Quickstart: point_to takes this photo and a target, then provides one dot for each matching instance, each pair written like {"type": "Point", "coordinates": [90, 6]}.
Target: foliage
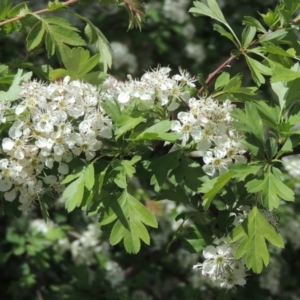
{"type": "Point", "coordinates": [107, 146]}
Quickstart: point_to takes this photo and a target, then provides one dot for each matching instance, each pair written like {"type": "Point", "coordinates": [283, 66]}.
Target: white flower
{"type": "Point", "coordinates": [185, 78]}
{"type": "Point", "coordinates": [215, 161]}
{"type": "Point", "coordinates": [188, 127]}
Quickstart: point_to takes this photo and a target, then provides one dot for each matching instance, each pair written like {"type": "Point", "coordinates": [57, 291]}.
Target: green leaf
{"type": "Point", "coordinates": [189, 173]}
{"type": "Point", "coordinates": [73, 193]}
{"type": "Point", "coordinates": [284, 74]}
{"type": "Point", "coordinates": [212, 10]}
{"type": "Point", "coordinates": [112, 109]}
{"type": "Point", "coordinates": [218, 184]}
{"type": "Point", "coordinates": [291, 5]}
{"type": "Point", "coordinates": [274, 49]}
{"type": "Point", "coordinates": [96, 37]}
{"type": "Point", "coordinates": [270, 114]}
{"type": "Point", "coordinates": [126, 123]}
{"type": "Point", "coordinates": [35, 35]}
{"type": "Point", "coordinates": [250, 21]}
{"type": "Point", "coordinates": [234, 84]}
{"type": "Point", "coordinates": [271, 188]}
{"type": "Point", "coordinates": [196, 238]}
{"type": "Point", "coordinates": [59, 33]}
{"type": "Point", "coordinates": [52, 6]}
{"type": "Point", "coordinates": [77, 62]}
{"type": "Point", "coordinates": [253, 232]}
{"type": "Point", "coordinates": [5, 6]}
{"type": "Point", "coordinates": [95, 78]}
{"type": "Point", "coordinates": [257, 68]}
{"type": "Point", "coordinates": [241, 171]}
{"type": "Point", "coordinates": [136, 215]}
{"type": "Point", "coordinates": [222, 80]}
{"type": "Point", "coordinates": [160, 168]}
{"type": "Point", "coordinates": [286, 88]}
{"type": "Point", "coordinates": [16, 9]}
{"type": "Point", "coordinates": [271, 147]}
{"type": "Point", "coordinates": [225, 33]}
{"type": "Point", "coordinates": [247, 35]}
{"type": "Point", "coordinates": [158, 131]}
{"type": "Point", "coordinates": [276, 35]}
{"type": "Point", "coordinates": [249, 120]}
{"type": "Point", "coordinates": [89, 178]}
{"type": "Point", "coordinates": [14, 89]}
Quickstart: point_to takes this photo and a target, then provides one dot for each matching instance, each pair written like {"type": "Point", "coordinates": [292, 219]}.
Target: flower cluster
{"type": "Point", "coordinates": [155, 87]}
{"type": "Point", "coordinates": [53, 124]}
{"type": "Point", "coordinates": [219, 265]}
{"type": "Point", "coordinates": [208, 125]}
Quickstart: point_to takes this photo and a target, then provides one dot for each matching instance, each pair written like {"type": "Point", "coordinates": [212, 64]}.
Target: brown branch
{"type": "Point", "coordinates": [212, 75]}
{"type": "Point", "coordinates": [17, 18]}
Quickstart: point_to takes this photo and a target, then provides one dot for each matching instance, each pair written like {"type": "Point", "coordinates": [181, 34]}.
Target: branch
{"type": "Point", "coordinates": [212, 75]}
{"type": "Point", "coordinates": [17, 18]}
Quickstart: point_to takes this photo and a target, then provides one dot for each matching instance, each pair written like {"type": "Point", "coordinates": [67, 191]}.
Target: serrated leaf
{"type": "Point", "coordinates": [96, 37]}
{"type": "Point", "coordinates": [219, 183]}
{"type": "Point", "coordinates": [222, 80]}
{"type": "Point", "coordinates": [77, 62]}
{"type": "Point", "coordinates": [253, 232]}
{"type": "Point", "coordinates": [284, 74]}
{"type": "Point", "coordinates": [212, 10]}
{"type": "Point", "coordinates": [126, 123]}
{"type": "Point", "coordinates": [35, 35]}
{"type": "Point", "coordinates": [257, 69]}
{"type": "Point", "coordinates": [73, 193]}
{"type": "Point", "coordinates": [160, 168]}
{"type": "Point", "coordinates": [250, 21]}
{"type": "Point", "coordinates": [52, 6]}
{"type": "Point", "coordinates": [112, 109]}
{"type": "Point", "coordinates": [16, 9]}
{"type": "Point", "coordinates": [189, 173]}
{"type": "Point", "coordinates": [271, 189]}
{"type": "Point", "coordinates": [233, 84]}
{"type": "Point", "coordinates": [5, 6]}
{"type": "Point", "coordinates": [270, 114]}
{"type": "Point", "coordinates": [241, 171]}
{"type": "Point", "coordinates": [136, 215]}
{"type": "Point", "coordinates": [59, 32]}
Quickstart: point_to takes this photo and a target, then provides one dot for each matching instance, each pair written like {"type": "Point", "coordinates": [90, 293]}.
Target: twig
{"type": "Point", "coordinates": [218, 70]}
{"type": "Point", "coordinates": [17, 18]}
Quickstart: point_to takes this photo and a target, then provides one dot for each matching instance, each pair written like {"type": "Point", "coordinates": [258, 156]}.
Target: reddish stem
{"type": "Point", "coordinates": [214, 73]}
{"type": "Point", "coordinates": [17, 18]}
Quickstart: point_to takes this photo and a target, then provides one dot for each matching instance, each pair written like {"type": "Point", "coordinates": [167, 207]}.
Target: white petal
{"type": "Point", "coordinates": [63, 168]}
{"type": "Point", "coordinates": [51, 179]}
{"type": "Point", "coordinates": [5, 185]}
{"type": "Point", "coordinates": [19, 109]}
{"type": "Point", "coordinates": [7, 144]}
{"type": "Point", "coordinates": [11, 195]}
{"type": "Point", "coordinates": [209, 252]}
{"type": "Point", "coordinates": [123, 97]}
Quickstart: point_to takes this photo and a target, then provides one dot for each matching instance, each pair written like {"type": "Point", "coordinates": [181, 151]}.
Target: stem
{"type": "Point", "coordinates": [228, 61]}
{"type": "Point", "coordinates": [218, 70]}
{"type": "Point", "coordinates": [17, 18]}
